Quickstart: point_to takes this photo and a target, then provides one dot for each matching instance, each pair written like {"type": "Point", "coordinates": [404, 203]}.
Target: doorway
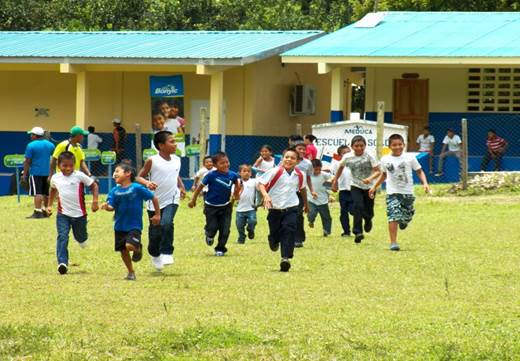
{"type": "Point", "coordinates": [410, 107]}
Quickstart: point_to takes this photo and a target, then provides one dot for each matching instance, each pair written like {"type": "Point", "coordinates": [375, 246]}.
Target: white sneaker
{"type": "Point", "coordinates": [83, 244]}
{"type": "Point", "coordinates": [167, 259]}
{"type": "Point", "coordinates": [157, 263]}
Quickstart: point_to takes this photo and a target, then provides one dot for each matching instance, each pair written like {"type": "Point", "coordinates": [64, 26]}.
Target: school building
{"type": "Point", "coordinates": [430, 69]}
{"type": "Point", "coordinates": [58, 79]}
{"type": "Point", "coordinates": [260, 86]}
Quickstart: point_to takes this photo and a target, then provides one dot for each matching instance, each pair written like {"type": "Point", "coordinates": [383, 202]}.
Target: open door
{"type": "Point", "coordinates": [410, 107]}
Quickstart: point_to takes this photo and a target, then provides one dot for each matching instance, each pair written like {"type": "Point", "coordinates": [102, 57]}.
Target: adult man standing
{"type": "Point", "coordinates": [73, 145]}
{"type": "Point", "coordinates": [36, 169]}
{"type": "Point", "coordinates": [119, 136]}
{"type": "Point", "coordinates": [453, 142]}
{"type": "Point", "coordinates": [496, 147]}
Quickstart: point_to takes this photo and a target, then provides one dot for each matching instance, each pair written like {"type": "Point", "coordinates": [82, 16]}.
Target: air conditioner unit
{"type": "Point", "coordinates": [303, 100]}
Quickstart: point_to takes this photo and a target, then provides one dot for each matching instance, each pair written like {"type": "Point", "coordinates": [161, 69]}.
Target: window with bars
{"type": "Point", "coordinates": [493, 90]}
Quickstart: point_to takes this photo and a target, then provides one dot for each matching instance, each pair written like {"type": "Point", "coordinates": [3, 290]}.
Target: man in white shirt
{"type": "Point", "coordinates": [426, 143]}
{"type": "Point", "coordinates": [454, 144]}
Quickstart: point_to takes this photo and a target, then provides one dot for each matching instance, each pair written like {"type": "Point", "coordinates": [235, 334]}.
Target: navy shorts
{"type": "Point", "coordinates": [122, 238]}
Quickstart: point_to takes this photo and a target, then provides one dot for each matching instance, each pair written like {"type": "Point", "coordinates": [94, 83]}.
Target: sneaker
{"type": "Point", "coordinates": [403, 225]}
{"type": "Point", "coordinates": [209, 240]}
{"type": "Point", "coordinates": [62, 268]}
{"type": "Point", "coordinates": [359, 238]}
{"type": "Point", "coordinates": [241, 241]}
{"type": "Point", "coordinates": [368, 225]}
{"type": "Point", "coordinates": [326, 234]}
{"type": "Point", "coordinates": [167, 259]}
{"type": "Point", "coordinates": [219, 253]}
{"type": "Point", "coordinates": [83, 244]}
{"type": "Point", "coordinates": [130, 277]}
{"type": "Point", "coordinates": [250, 234]}
{"type": "Point", "coordinates": [395, 247]}
{"type": "Point", "coordinates": [137, 254]}
{"type": "Point", "coordinates": [298, 244]}
{"type": "Point", "coordinates": [311, 225]}
{"type": "Point", "coordinates": [157, 263]}
{"type": "Point", "coordinates": [439, 174]}
{"type": "Point", "coordinates": [36, 215]}
{"type": "Point", "coordinates": [274, 246]}
{"type": "Point", "coordinates": [285, 265]}
{"type": "Point", "coordinates": [345, 234]}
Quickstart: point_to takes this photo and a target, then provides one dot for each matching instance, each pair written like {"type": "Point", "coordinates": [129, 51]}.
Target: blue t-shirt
{"type": "Point", "coordinates": [219, 187]}
{"type": "Point", "coordinates": [128, 205]}
{"type": "Point", "coordinates": [39, 151]}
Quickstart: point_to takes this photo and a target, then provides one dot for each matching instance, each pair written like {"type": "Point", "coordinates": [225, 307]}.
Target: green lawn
{"type": "Point", "coordinates": [451, 293]}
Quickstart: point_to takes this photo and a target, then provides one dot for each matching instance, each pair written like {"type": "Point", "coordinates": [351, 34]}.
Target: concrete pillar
{"type": "Point", "coordinates": [216, 100]}
{"type": "Point", "coordinates": [82, 99]}
{"type": "Point", "coordinates": [337, 95]}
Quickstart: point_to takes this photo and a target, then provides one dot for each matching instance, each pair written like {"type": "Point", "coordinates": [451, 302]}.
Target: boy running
{"type": "Point", "coordinates": [279, 188]}
{"type": "Point", "coordinates": [127, 201]}
{"type": "Point", "coordinates": [163, 171]}
{"type": "Point", "coordinates": [246, 208]}
{"type": "Point", "coordinates": [397, 171]}
{"type": "Point", "coordinates": [218, 207]}
{"type": "Point", "coordinates": [320, 204]}
{"type": "Point", "coordinates": [68, 185]}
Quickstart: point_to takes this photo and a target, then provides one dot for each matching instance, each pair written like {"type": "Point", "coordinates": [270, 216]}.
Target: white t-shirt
{"type": "Point", "coordinates": [173, 125]}
{"type": "Point", "coordinates": [399, 173]}
{"type": "Point", "coordinates": [247, 196]}
{"type": "Point", "coordinates": [283, 192]}
{"type": "Point", "coordinates": [201, 173]}
{"type": "Point", "coordinates": [305, 166]}
{"type": "Point", "coordinates": [425, 143]}
{"type": "Point", "coordinates": [71, 193]}
{"type": "Point", "coordinates": [361, 167]}
{"type": "Point", "coordinates": [345, 181]}
{"type": "Point", "coordinates": [318, 183]}
{"type": "Point", "coordinates": [93, 141]}
{"type": "Point", "coordinates": [264, 166]}
{"type": "Point", "coordinates": [453, 143]}
{"type": "Point", "coordinates": [165, 174]}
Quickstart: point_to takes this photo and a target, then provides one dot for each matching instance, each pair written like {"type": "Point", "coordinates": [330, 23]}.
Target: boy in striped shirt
{"type": "Point", "coordinates": [496, 147]}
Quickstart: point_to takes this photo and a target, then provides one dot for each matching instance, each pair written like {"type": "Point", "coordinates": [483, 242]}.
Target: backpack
{"type": "Point", "coordinates": [272, 182]}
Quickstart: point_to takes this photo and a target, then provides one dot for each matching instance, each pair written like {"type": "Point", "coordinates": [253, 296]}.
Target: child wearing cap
{"type": "Point", "coordinates": [73, 145]}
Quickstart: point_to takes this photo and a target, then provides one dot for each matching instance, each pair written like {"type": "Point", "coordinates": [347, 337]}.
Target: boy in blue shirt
{"type": "Point", "coordinates": [218, 207]}
{"type": "Point", "coordinates": [127, 201]}
{"type": "Point", "coordinates": [36, 170]}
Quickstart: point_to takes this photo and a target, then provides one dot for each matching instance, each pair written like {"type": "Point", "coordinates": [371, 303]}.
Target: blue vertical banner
{"type": "Point", "coordinates": [167, 97]}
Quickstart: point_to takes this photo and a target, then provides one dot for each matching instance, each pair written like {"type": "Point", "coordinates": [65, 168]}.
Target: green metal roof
{"type": "Point", "coordinates": [423, 34]}
{"type": "Point", "coordinates": [168, 47]}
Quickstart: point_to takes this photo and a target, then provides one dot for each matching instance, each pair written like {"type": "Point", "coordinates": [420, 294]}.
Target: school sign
{"type": "Point", "coordinates": [332, 135]}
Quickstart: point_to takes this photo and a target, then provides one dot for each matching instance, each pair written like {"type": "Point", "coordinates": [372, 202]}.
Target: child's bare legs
{"type": "Point", "coordinates": [392, 230]}
{"type": "Point", "coordinates": [127, 260]}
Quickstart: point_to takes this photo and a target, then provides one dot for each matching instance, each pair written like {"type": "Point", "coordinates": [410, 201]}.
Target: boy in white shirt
{"type": "Point", "coordinates": [426, 143]}
{"type": "Point", "coordinates": [163, 169]}
{"type": "Point", "coordinates": [344, 187]}
{"type": "Point", "coordinates": [279, 187]}
{"type": "Point", "coordinates": [453, 142]}
{"type": "Point", "coordinates": [201, 173]}
{"type": "Point", "coordinates": [320, 204]}
{"type": "Point", "coordinates": [396, 169]}
{"type": "Point", "coordinates": [69, 185]}
{"type": "Point", "coordinates": [246, 208]}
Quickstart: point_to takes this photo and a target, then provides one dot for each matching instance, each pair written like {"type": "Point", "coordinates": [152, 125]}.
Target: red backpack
{"type": "Point", "coordinates": [279, 173]}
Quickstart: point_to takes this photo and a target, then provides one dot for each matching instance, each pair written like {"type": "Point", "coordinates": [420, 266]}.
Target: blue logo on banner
{"type": "Point", "coordinates": [166, 86]}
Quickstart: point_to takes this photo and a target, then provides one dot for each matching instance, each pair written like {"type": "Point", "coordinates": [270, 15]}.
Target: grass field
{"type": "Point", "coordinates": [452, 293]}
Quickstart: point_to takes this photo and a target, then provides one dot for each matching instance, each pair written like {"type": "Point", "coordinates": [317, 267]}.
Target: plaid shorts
{"type": "Point", "coordinates": [399, 208]}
